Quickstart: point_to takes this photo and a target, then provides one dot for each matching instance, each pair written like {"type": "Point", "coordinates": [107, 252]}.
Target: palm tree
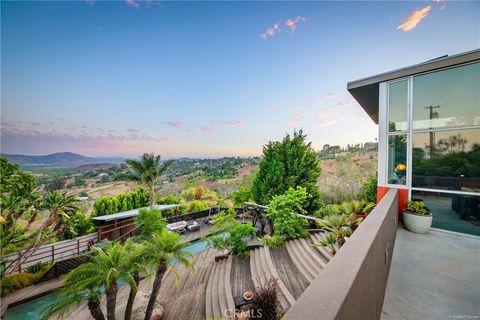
{"type": "Point", "coordinates": [165, 248]}
{"type": "Point", "coordinates": [105, 267]}
{"type": "Point", "coordinates": [136, 264]}
{"type": "Point", "coordinates": [60, 207]}
{"type": "Point", "coordinates": [336, 223]}
{"type": "Point", "coordinates": [71, 296]}
{"type": "Point", "coordinates": [148, 169]}
{"type": "Point", "coordinates": [328, 240]}
{"type": "Point", "coordinates": [356, 206]}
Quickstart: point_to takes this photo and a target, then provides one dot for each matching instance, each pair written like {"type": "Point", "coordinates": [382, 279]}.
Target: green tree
{"type": "Point", "coordinates": [148, 169]}
{"type": "Point", "coordinates": [289, 163]}
{"type": "Point", "coordinates": [239, 197]}
{"type": "Point", "coordinates": [165, 248]}
{"type": "Point", "coordinates": [149, 221]}
{"type": "Point", "coordinates": [368, 191]}
{"type": "Point", "coordinates": [282, 211]}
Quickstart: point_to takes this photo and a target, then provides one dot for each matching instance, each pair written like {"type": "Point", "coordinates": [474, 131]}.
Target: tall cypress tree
{"type": "Point", "coordinates": [288, 163]}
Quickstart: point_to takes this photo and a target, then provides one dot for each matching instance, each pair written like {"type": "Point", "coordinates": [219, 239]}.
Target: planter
{"type": "Point", "coordinates": [417, 223]}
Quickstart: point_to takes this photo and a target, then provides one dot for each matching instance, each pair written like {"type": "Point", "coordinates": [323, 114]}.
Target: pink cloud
{"type": "Point", "coordinates": [295, 119]}
{"type": "Point", "coordinates": [271, 31]}
{"type": "Point", "coordinates": [175, 124]}
{"type": "Point", "coordinates": [208, 128]}
{"type": "Point", "coordinates": [414, 19]}
{"type": "Point", "coordinates": [133, 4]}
{"type": "Point", "coordinates": [238, 123]}
{"type": "Point", "coordinates": [331, 95]}
{"type": "Point", "coordinates": [132, 130]}
{"type": "Point", "coordinates": [273, 107]}
{"type": "Point", "coordinates": [292, 23]}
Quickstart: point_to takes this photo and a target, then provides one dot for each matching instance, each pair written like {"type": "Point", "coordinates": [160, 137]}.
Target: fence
{"type": "Point", "coordinates": [54, 252]}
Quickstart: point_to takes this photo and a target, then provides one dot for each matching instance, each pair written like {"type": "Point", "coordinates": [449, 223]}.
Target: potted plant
{"type": "Point", "coordinates": [416, 217]}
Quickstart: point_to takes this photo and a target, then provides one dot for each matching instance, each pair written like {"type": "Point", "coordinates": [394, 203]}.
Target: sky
{"type": "Point", "coordinates": [206, 79]}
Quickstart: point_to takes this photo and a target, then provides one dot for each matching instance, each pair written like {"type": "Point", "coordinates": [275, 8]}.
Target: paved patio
{"type": "Point", "coordinates": [433, 276]}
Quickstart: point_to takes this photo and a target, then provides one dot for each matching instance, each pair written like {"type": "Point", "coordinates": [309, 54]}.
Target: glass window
{"type": "Point", "coordinates": [448, 98]}
{"type": "Point", "coordinates": [397, 159]}
{"type": "Point", "coordinates": [447, 160]}
{"type": "Point", "coordinates": [454, 212]}
{"type": "Point", "coordinates": [397, 106]}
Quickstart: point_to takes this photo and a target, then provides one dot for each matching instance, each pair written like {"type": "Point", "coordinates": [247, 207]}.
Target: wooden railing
{"type": "Point", "coordinates": [54, 252]}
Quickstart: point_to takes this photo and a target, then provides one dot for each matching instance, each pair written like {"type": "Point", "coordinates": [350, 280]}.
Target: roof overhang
{"type": "Point", "coordinates": [365, 90]}
{"type": "Point", "coordinates": [132, 213]}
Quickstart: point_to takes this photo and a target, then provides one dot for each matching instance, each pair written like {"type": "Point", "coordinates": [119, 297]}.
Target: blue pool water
{"type": "Point", "coordinates": [32, 310]}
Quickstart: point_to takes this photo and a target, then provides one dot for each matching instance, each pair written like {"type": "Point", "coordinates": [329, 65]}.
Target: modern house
{"type": "Point", "coordinates": [429, 136]}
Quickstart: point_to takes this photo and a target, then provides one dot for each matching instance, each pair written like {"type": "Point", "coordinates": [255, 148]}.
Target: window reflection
{"type": "Point", "coordinates": [397, 159]}
{"type": "Point", "coordinates": [447, 160]}
{"type": "Point", "coordinates": [454, 212]}
{"type": "Point", "coordinates": [447, 98]}
{"type": "Point", "coordinates": [397, 102]}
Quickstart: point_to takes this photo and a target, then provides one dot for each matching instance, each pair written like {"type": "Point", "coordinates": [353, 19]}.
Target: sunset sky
{"type": "Point", "coordinates": [206, 78]}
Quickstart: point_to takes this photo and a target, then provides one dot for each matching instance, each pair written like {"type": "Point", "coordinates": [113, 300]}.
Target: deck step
{"type": "Point", "coordinates": [263, 269]}
{"type": "Point", "coordinates": [299, 262]}
{"type": "Point", "coordinates": [324, 251]}
{"type": "Point", "coordinates": [218, 297]}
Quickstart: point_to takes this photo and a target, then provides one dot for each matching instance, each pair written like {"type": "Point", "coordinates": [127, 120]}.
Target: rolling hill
{"type": "Point", "coordinates": [58, 159]}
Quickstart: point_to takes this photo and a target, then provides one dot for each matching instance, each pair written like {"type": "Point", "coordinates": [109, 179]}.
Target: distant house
{"type": "Point", "coordinates": [429, 135]}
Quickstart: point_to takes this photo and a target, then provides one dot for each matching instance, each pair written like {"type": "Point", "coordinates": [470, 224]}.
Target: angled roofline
{"type": "Point", "coordinates": [430, 65]}
{"type": "Point", "coordinates": [132, 213]}
{"type": "Point", "coordinates": [366, 90]}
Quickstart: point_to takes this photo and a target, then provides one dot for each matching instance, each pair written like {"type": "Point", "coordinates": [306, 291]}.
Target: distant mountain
{"type": "Point", "coordinates": [59, 159]}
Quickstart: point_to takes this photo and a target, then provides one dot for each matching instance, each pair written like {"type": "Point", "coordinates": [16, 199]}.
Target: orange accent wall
{"type": "Point", "coordinates": [402, 198]}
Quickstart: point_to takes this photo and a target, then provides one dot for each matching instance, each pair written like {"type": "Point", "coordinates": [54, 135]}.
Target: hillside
{"type": "Point", "coordinates": [59, 159]}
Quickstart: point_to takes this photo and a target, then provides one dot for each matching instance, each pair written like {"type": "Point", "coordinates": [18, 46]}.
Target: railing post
{"type": "Point", "coordinates": [78, 246]}
{"type": "Point", "coordinates": [19, 267]}
{"type": "Point", "coordinates": [53, 253]}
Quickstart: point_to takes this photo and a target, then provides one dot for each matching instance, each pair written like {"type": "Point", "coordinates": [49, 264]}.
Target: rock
{"type": "Point", "coordinates": [157, 312]}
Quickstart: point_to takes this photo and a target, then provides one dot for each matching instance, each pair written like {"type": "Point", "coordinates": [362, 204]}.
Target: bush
{"type": "Point", "coordinates": [285, 224]}
{"type": "Point", "coordinates": [327, 210]}
{"type": "Point", "coordinates": [233, 233]}
{"type": "Point", "coordinates": [197, 205]}
{"type": "Point", "coordinates": [150, 221]}
{"type": "Point", "coordinates": [273, 241]}
{"type": "Point", "coordinates": [38, 267]}
{"type": "Point", "coordinates": [171, 199]}
{"type": "Point", "coordinates": [189, 193]}
{"type": "Point", "coordinates": [241, 196]}
{"type": "Point", "coordinates": [83, 193]}
{"type": "Point", "coordinates": [265, 303]}
{"type": "Point", "coordinates": [18, 281]}
{"type": "Point", "coordinates": [78, 225]}
{"type": "Point", "coordinates": [122, 202]}
{"type": "Point", "coordinates": [368, 191]}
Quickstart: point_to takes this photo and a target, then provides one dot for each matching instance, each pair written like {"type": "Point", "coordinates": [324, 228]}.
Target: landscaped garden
{"type": "Point", "coordinates": [289, 207]}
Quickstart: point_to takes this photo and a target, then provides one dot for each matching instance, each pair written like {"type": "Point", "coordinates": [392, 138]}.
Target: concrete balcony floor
{"type": "Point", "coordinates": [433, 276]}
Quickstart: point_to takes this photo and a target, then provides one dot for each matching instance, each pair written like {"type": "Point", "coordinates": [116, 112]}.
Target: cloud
{"type": "Point", "coordinates": [414, 19]}
{"type": "Point", "coordinates": [273, 107]}
{"type": "Point", "coordinates": [295, 119]}
{"type": "Point", "coordinates": [331, 95]}
{"type": "Point", "coordinates": [271, 31]}
{"type": "Point", "coordinates": [132, 130]}
{"type": "Point", "coordinates": [133, 4]}
{"type": "Point", "coordinates": [292, 23]}
{"type": "Point", "coordinates": [238, 123]}
{"type": "Point", "coordinates": [208, 128]}
{"type": "Point", "coordinates": [175, 124]}
{"type": "Point", "coordinates": [90, 2]}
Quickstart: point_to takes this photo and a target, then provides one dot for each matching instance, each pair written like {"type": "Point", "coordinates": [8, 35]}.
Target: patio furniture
{"type": "Point", "coordinates": [193, 226]}
{"type": "Point", "coordinates": [177, 226]}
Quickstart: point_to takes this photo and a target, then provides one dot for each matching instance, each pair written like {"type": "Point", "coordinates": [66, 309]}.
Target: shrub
{"type": "Point", "coordinates": [265, 304]}
{"type": "Point", "coordinates": [287, 225]}
{"type": "Point", "coordinates": [18, 281]}
{"type": "Point", "coordinates": [233, 233]}
{"type": "Point", "coordinates": [78, 225]}
{"type": "Point", "coordinates": [83, 193]}
{"type": "Point", "coordinates": [197, 205]}
{"type": "Point", "coordinates": [417, 207]}
{"type": "Point", "coordinates": [241, 196]}
{"type": "Point", "coordinates": [149, 221]}
{"type": "Point", "coordinates": [327, 210]}
{"type": "Point", "coordinates": [368, 191]}
{"type": "Point", "coordinates": [38, 267]}
{"type": "Point", "coordinates": [273, 241]}
{"type": "Point", "coordinates": [189, 193]}
{"type": "Point", "coordinates": [123, 202]}
{"type": "Point", "coordinates": [171, 199]}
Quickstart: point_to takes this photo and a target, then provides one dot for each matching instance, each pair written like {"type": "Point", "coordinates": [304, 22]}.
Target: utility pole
{"type": "Point", "coordinates": [433, 115]}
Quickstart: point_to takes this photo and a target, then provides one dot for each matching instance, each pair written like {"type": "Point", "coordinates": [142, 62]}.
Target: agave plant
{"type": "Point", "coordinates": [329, 240]}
